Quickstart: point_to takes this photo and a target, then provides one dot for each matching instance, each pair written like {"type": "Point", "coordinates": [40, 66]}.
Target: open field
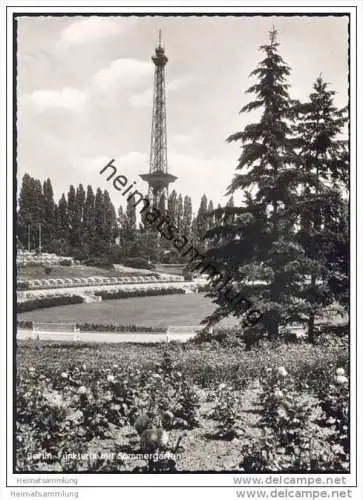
{"type": "Point", "coordinates": [214, 399]}
{"type": "Point", "coordinates": [159, 311]}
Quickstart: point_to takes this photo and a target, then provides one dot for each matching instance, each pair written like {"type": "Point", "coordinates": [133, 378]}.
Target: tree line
{"type": "Point", "coordinates": [84, 224]}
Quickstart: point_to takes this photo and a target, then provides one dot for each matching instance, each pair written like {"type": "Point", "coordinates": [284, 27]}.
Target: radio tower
{"type": "Point", "coordinates": [158, 177]}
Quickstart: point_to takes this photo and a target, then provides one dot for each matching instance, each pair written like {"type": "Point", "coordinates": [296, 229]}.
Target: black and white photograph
{"type": "Point", "coordinates": [182, 238]}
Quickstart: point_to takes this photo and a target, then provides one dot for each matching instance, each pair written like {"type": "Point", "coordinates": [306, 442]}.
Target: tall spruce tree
{"type": "Point", "coordinates": [255, 248]}
{"type": "Point", "coordinates": [321, 208]}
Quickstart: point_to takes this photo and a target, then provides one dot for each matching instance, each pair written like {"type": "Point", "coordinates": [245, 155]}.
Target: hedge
{"type": "Point", "coordinates": [65, 262]}
{"type": "Point", "coordinates": [61, 300]}
{"type": "Point", "coordinates": [137, 263]}
{"type": "Point", "coordinates": [108, 327]}
{"type": "Point", "coordinates": [92, 327]}
{"type": "Point", "coordinates": [125, 294]}
{"type": "Point", "coordinates": [23, 285]}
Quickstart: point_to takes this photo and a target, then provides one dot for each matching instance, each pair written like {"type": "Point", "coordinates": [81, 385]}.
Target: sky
{"type": "Point", "coordinates": [84, 92]}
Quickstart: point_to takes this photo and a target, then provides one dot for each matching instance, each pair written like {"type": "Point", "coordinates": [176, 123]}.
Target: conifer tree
{"type": "Point", "coordinates": [48, 226]}
{"type": "Point", "coordinates": [202, 220]}
{"type": "Point", "coordinates": [172, 203]}
{"type": "Point", "coordinates": [321, 210]}
{"type": "Point", "coordinates": [254, 246]}
{"type": "Point", "coordinates": [78, 220]}
{"type": "Point", "coordinates": [89, 220]}
{"type": "Point", "coordinates": [26, 215]}
{"type": "Point", "coordinates": [71, 215]}
{"type": "Point", "coordinates": [187, 217]}
{"type": "Point", "coordinates": [62, 220]}
{"type": "Point", "coordinates": [211, 215]}
{"type": "Point", "coordinates": [110, 223]}
{"type": "Point", "coordinates": [131, 214]}
{"type": "Point", "coordinates": [179, 213]}
{"type": "Point", "coordinates": [99, 213]}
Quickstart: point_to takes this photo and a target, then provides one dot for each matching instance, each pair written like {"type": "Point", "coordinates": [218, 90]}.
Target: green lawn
{"type": "Point", "coordinates": [160, 311]}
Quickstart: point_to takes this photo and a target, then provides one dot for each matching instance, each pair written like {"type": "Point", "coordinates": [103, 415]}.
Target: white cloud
{"type": "Point", "coordinates": [194, 174]}
{"type": "Point", "coordinates": [177, 83]}
{"type": "Point", "coordinates": [143, 99]}
{"type": "Point", "coordinates": [189, 138]}
{"type": "Point", "coordinates": [91, 29]}
{"type": "Point", "coordinates": [130, 164]}
{"type": "Point", "coordinates": [68, 98]}
{"type": "Point", "coordinates": [123, 73]}
{"type": "Point", "coordinates": [90, 165]}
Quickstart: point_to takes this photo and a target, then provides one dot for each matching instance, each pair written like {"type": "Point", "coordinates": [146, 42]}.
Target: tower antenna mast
{"type": "Point", "coordinates": [158, 178]}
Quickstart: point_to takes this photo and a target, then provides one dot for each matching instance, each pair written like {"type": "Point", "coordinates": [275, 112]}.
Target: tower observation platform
{"type": "Point", "coordinates": [158, 178]}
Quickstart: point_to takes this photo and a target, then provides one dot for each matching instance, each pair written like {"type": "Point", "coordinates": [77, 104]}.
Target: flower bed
{"type": "Point", "coordinates": [150, 397]}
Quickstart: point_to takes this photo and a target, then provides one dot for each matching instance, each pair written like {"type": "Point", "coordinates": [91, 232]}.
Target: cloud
{"type": "Point", "coordinates": [123, 73]}
{"type": "Point", "coordinates": [89, 30]}
{"type": "Point", "coordinates": [194, 172]}
{"type": "Point", "coordinates": [189, 138]}
{"type": "Point", "coordinates": [177, 83]}
{"type": "Point", "coordinates": [130, 164]}
{"type": "Point", "coordinates": [145, 99]}
{"type": "Point", "coordinates": [70, 99]}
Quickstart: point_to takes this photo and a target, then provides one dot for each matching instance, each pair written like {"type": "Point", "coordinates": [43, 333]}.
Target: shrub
{"type": "Point", "coordinates": [65, 262]}
{"type": "Point", "coordinates": [227, 337]}
{"type": "Point", "coordinates": [188, 276]}
{"type": "Point", "coordinates": [97, 327]}
{"type": "Point", "coordinates": [22, 285]}
{"type": "Point", "coordinates": [105, 263]}
{"type": "Point", "coordinates": [62, 300]}
{"type": "Point", "coordinates": [226, 412]}
{"type": "Point", "coordinates": [283, 412]}
{"type": "Point", "coordinates": [137, 263]}
{"type": "Point", "coordinates": [25, 324]}
{"type": "Point", "coordinates": [151, 292]}
{"type": "Point", "coordinates": [334, 402]}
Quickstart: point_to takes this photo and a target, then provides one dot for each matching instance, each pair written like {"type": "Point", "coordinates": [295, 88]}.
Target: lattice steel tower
{"type": "Point", "coordinates": [158, 177]}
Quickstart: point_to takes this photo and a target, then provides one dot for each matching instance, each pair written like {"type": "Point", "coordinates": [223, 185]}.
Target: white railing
{"type": "Point", "coordinates": [56, 328]}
